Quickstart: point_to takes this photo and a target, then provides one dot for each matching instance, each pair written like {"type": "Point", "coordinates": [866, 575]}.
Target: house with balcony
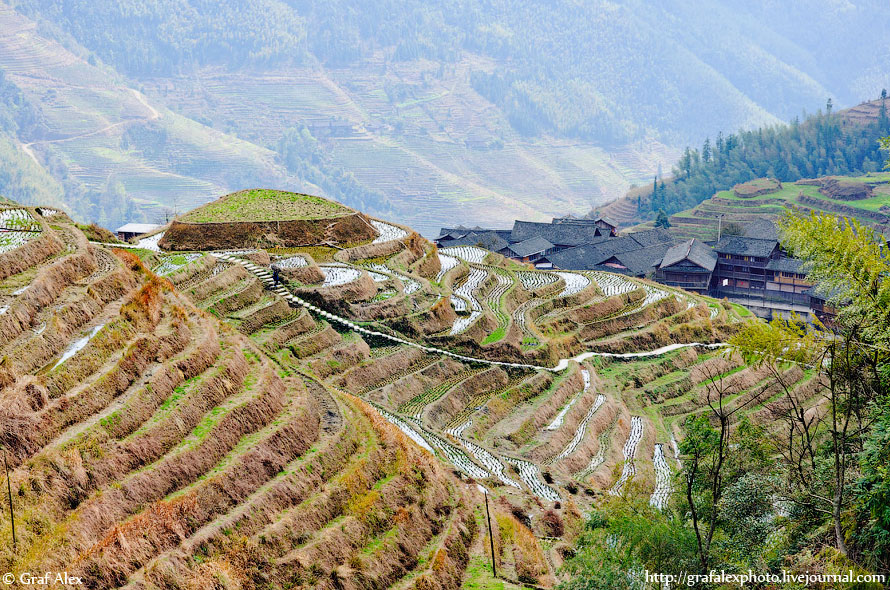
{"type": "Point", "coordinates": [758, 274]}
{"type": "Point", "coordinates": [689, 265]}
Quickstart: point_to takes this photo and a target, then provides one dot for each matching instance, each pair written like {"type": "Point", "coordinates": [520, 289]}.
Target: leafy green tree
{"type": "Point", "coordinates": [872, 493]}
{"type": "Point", "coordinates": [732, 228]}
{"type": "Point", "coordinates": [623, 537]}
{"type": "Point", "coordinates": [748, 518]}
{"type": "Point", "coordinates": [662, 219]}
{"type": "Point", "coordinates": [822, 442]}
{"type": "Point", "coordinates": [709, 463]}
{"type": "Point", "coordinates": [703, 449]}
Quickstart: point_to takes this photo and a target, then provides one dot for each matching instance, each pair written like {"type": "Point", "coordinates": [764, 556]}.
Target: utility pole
{"type": "Point", "coordinates": [494, 568]}
{"type": "Point", "coordinates": [719, 226]}
{"type": "Point", "coordinates": [9, 494]}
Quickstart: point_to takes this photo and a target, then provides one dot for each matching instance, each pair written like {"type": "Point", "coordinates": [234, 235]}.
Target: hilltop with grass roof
{"type": "Point", "coordinates": [265, 218]}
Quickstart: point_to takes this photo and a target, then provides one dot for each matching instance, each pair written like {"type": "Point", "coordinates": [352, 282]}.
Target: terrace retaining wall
{"type": "Point", "coordinates": [288, 234]}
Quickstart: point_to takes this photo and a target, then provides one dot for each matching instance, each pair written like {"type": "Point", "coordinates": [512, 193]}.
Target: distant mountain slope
{"type": "Point", "coordinates": [589, 69]}
{"type": "Point", "coordinates": [825, 144]}
{"type": "Point", "coordinates": [415, 110]}
{"type": "Point", "coordinates": [111, 149]}
{"type": "Point", "coordinates": [866, 198]}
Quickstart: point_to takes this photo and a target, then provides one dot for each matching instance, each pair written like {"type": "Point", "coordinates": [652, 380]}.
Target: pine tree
{"type": "Point", "coordinates": [661, 220]}
{"type": "Point", "coordinates": [882, 114]}
{"type": "Point", "coordinates": [655, 205]}
{"type": "Point", "coordinates": [686, 163]}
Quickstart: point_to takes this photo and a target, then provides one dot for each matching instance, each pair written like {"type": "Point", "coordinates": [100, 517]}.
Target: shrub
{"type": "Point", "coordinates": [552, 525]}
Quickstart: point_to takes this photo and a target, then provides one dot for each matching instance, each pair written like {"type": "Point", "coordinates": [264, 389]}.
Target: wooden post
{"type": "Point", "coordinates": [9, 494]}
{"type": "Point", "coordinates": [494, 567]}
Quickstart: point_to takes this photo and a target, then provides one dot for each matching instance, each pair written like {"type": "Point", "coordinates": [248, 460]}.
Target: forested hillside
{"type": "Point", "coordinates": [412, 107]}
{"type": "Point", "coordinates": [824, 144]}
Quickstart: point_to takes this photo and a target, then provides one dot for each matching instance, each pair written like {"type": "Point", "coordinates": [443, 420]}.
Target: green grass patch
{"type": "Point", "coordinates": [741, 310]}
{"type": "Point", "coordinates": [265, 205]}
{"type": "Point", "coordinates": [495, 336]}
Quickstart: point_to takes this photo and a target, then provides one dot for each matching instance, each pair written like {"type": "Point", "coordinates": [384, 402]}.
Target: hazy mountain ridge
{"type": "Point", "coordinates": [455, 107]}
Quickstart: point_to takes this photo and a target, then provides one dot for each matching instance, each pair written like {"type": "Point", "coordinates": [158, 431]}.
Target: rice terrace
{"type": "Point", "coordinates": [179, 419]}
{"type": "Point", "coordinates": [444, 295]}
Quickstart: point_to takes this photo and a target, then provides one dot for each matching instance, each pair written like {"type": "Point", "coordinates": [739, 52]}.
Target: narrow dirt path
{"type": "Point", "coordinates": [153, 115]}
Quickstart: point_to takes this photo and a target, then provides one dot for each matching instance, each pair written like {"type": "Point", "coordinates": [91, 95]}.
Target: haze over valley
{"type": "Point", "coordinates": [434, 114]}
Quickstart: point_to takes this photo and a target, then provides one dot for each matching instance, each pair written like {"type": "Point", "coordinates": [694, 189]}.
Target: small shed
{"type": "Point", "coordinates": [606, 224]}
{"type": "Point", "coordinates": [134, 230]}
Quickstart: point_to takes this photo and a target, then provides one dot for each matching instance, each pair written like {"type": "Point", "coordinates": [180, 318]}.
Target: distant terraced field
{"type": "Point", "coordinates": [765, 201]}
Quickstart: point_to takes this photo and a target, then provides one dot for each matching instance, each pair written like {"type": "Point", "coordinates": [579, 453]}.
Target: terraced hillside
{"type": "Point", "coordinates": [115, 149]}
{"type": "Point", "coordinates": [178, 420]}
{"type": "Point", "coordinates": [121, 149]}
{"type": "Point", "coordinates": [153, 445]}
{"type": "Point", "coordinates": [865, 197]}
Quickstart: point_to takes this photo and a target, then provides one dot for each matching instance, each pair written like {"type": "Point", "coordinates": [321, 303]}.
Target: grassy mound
{"type": "Point", "coordinates": [757, 187]}
{"type": "Point", "coordinates": [265, 205]}
{"type": "Point", "coordinates": [845, 189]}
{"type": "Point", "coordinates": [267, 218]}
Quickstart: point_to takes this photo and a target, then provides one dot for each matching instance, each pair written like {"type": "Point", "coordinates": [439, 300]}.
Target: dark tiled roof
{"type": "Point", "coordinates": [454, 231]}
{"type": "Point", "coordinates": [588, 219]}
{"type": "Point", "coordinates": [643, 261]}
{"type": "Point", "coordinates": [762, 228]}
{"type": "Point", "coordinates": [589, 255]}
{"type": "Point", "coordinates": [692, 250]}
{"type": "Point", "coordinates": [650, 237]}
{"type": "Point", "coordinates": [487, 239]}
{"type": "Point", "coordinates": [785, 265]}
{"type": "Point", "coordinates": [560, 234]}
{"type": "Point", "coordinates": [625, 250]}
{"type": "Point", "coordinates": [743, 246]}
{"type": "Point", "coordinates": [534, 245]}
{"type": "Point", "coordinates": [460, 231]}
